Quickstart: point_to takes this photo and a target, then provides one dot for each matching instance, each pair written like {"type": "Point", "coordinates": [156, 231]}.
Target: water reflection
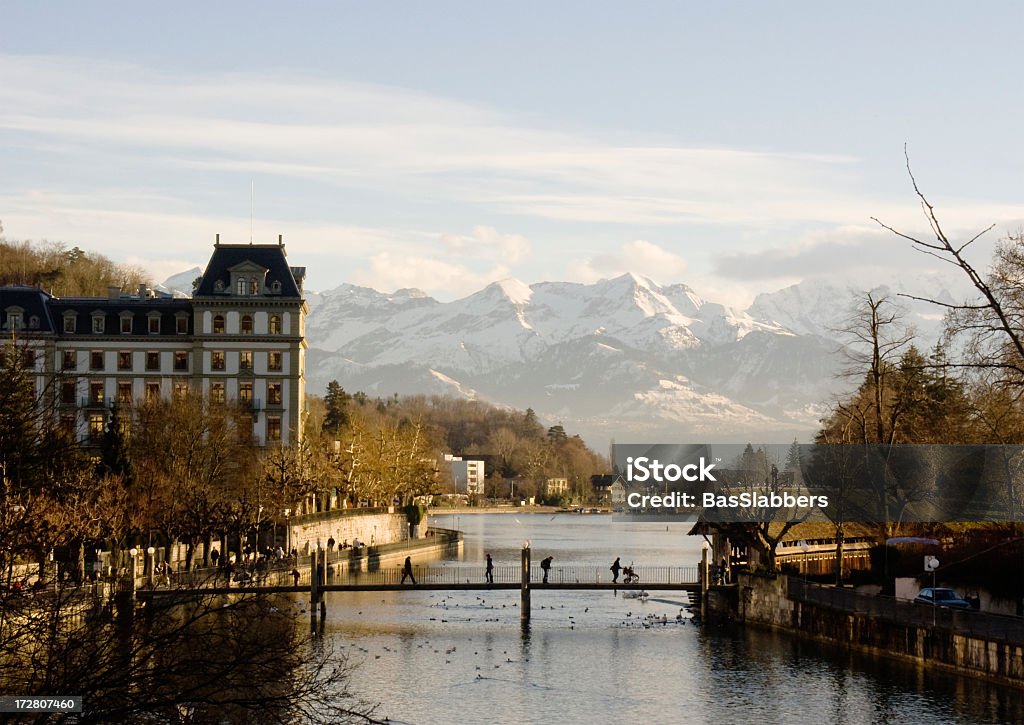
{"type": "Point", "coordinates": [585, 657]}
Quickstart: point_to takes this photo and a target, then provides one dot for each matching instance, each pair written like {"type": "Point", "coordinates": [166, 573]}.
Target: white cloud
{"type": "Point", "coordinates": [442, 279]}
{"type": "Point", "coordinates": [489, 242]}
{"type": "Point", "coordinates": [640, 256]}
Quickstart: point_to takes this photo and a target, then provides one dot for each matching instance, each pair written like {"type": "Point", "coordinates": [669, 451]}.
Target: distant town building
{"type": "Point", "coordinates": [556, 486]}
{"type": "Point", "coordinates": [467, 475]}
{"type": "Point", "coordinates": [609, 488]}
{"type": "Point", "coordinates": [239, 338]}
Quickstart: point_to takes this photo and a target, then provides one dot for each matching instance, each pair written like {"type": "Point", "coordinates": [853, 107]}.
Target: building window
{"type": "Point", "coordinates": [28, 359]}
{"type": "Point", "coordinates": [245, 360]}
{"type": "Point", "coordinates": [181, 325]}
{"type": "Point", "coordinates": [275, 287]}
{"type": "Point", "coordinates": [218, 324]}
{"type": "Point", "coordinates": [242, 286]}
{"type": "Point", "coordinates": [96, 392]}
{"type": "Point", "coordinates": [254, 286]}
{"type": "Point", "coordinates": [99, 325]}
{"type": "Point", "coordinates": [124, 393]}
{"type": "Point", "coordinates": [217, 360]}
{"type": "Point", "coordinates": [273, 428]}
{"type": "Point", "coordinates": [180, 389]}
{"type": "Point", "coordinates": [33, 322]}
{"type": "Point", "coordinates": [246, 325]}
{"type": "Point", "coordinates": [124, 360]}
{"type": "Point", "coordinates": [14, 321]}
{"type": "Point", "coordinates": [70, 323]}
{"type": "Point", "coordinates": [154, 324]}
{"type": "Point", "coordinates": [181, 361]}
{"type": "Point", "coordinates": [69, 424]}
{"type": "Point", "coordinates": [68, 360]}
{"type": "Point", "coordinates": [275, 325]}
{"type": "Point", "coordinates": [218, 286]}
{"type": "Point", "coordinates": [245, 392]}
{"type": "Point", "coordinates": [273, 361]}
{"type": "Point", "coordinates": [126, 324]}
{"type": "Point", "coordinates": [96, 425]}
{"type": "Point", "coordinates": [274, 393]}
{"type": "Point", "coordinates": [96, 360]}
{"type": "Point", "coordinates": [67, 392]}
{"type": "Point", "coordinates": [216, 392]}
{"type": "Point", "coordinates": [152, 390]}
{"type": "Point", "coordinates": [152, 360]}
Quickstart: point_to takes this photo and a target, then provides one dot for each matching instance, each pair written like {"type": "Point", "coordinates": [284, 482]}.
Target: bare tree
{"type": "Point", "coordinates": [994, 321]}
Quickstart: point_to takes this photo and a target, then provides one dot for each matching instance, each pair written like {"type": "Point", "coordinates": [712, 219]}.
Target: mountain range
{"type": "Point", "coordinates": [623, 358]}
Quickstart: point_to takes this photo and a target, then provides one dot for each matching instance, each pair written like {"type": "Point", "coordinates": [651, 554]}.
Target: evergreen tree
{"type": "Point", "coordinates": [336, 401]}
{"type": "Point", "coordinates": [114, 458]}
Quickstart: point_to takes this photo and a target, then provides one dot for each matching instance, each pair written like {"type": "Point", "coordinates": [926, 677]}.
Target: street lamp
{"type": "Point", "coordinates": [931, 564]}
{"type": "Point", "coordinates": [150, 564]}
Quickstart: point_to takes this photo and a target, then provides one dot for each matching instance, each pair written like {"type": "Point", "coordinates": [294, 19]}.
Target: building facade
{"type": "Point", "coordinates": [467, 475]}
{"type": "Point", "coordinates": [239, 338]}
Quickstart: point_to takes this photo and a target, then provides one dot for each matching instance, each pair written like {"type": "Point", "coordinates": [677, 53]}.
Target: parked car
{"type": "Point", "coordinates": [942, 597]}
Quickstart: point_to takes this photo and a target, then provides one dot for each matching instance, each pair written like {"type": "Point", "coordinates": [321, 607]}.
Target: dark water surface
{"type": "Point", "coordinates": [432, 658]}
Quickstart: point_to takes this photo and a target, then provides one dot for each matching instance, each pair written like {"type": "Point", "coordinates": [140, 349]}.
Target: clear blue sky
{"type": "Point", "coordinates": [735, 147]}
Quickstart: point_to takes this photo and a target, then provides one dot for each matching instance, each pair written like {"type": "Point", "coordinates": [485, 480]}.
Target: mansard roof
{"type": "Point", "coordinates": [31, 301]}
{"type": "Point", "coordinates": [233, 257]}
{"type": "Point", "coordinates": [113, 309]}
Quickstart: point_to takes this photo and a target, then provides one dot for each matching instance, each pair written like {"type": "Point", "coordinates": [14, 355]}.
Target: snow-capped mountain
{"type": "Point", "coordinates": [623, 357]}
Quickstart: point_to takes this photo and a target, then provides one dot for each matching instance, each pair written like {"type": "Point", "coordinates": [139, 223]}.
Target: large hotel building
{"type": "Point", "coordinates": [240, 337]}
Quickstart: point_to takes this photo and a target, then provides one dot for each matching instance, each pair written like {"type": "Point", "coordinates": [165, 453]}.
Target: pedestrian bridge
{"type": "Point", "coordinates": [321, 575]}
{"type": "Point", "coordinates": [430, 578]}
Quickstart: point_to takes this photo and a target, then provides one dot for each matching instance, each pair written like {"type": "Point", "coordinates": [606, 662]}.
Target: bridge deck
{"type": "Point", "coordinates": [237, 589]}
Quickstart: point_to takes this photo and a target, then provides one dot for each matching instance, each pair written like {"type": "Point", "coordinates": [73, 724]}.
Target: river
{"type": "Point", "coordinates": [432, 658]}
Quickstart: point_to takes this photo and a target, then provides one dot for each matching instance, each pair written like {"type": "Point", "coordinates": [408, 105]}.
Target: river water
{"type": "Point", "coordinates": [431, 658]}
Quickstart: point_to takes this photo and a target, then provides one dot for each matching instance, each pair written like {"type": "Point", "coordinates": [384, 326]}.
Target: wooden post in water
{"type": "Point", "coordinates": [705, 581]}
{"type": "Point", "coordinates": [314, 589]}
{"type": "Point", "coordinates": [524, 589]}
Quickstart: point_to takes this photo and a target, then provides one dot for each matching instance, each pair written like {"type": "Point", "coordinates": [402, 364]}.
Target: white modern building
{"type": "Point", "coordinates": [468, 475]}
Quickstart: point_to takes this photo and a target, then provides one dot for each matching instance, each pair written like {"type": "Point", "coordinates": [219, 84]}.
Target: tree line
{"type": "Point", "coordinates": [64, 272]}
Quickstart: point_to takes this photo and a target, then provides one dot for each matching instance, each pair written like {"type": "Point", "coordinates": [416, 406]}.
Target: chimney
{"type": "Point", "coordinates": [216, 242]}
{"type": "Point", "coordinates": [280, 240]}
{"type": "Point", "coordinates": [142, 292]}
{"type": "Point", "coordinates": [113, 292]}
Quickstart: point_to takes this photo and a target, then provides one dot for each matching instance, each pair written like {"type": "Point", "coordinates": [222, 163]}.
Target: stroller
{"type": "Point", "coordinates": [629, 576]}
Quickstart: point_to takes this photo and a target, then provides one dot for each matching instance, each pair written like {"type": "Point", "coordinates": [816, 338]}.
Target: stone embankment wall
{"type": "Point", "coordinates": [998, 656]}
{"type": "Point", "coordinates": [371, 528]}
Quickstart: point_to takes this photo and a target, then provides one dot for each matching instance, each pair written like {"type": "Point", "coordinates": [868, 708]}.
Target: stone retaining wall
{"type": "Point", "coordinates": [765, 601]}
{"type": "Point", "coordinates": [372, 529]}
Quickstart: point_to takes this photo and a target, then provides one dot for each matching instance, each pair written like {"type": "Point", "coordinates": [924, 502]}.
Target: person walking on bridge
{"type": "Point", "coordinates": [490, 569]}
{"type": "Point", "coordinates": [407, 571]}
{"type": "Point", "coordinates": [545, 564]}
{"type": "Point", "coordinates": [616, 567]}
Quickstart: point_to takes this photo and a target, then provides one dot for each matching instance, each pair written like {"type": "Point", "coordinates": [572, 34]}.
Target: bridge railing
{"type": "Point", "coordinates": [338, 574]}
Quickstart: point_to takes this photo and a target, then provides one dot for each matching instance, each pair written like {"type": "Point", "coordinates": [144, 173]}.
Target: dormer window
{"type": "Point", "coordinates": [242, 286]}
{"type": "Point", "coordinates": [70, 322]}
{"type": "Point", "coordinates": [15, 319]}
{"type": "Point", "coordinates": [99, 323]}
{"type": "Point", "coordinates": [218, 286]}
{"type": "Point", "coordinates": [254, 286]}
{"type": "Point", "coordinates": [126, 323]}
{"type": "Point", "coordinates": [33, 322]}
{"type": "Point", "coordinates": [275, 287]}
{"type": "Point", "coordinates": [153, 322]}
